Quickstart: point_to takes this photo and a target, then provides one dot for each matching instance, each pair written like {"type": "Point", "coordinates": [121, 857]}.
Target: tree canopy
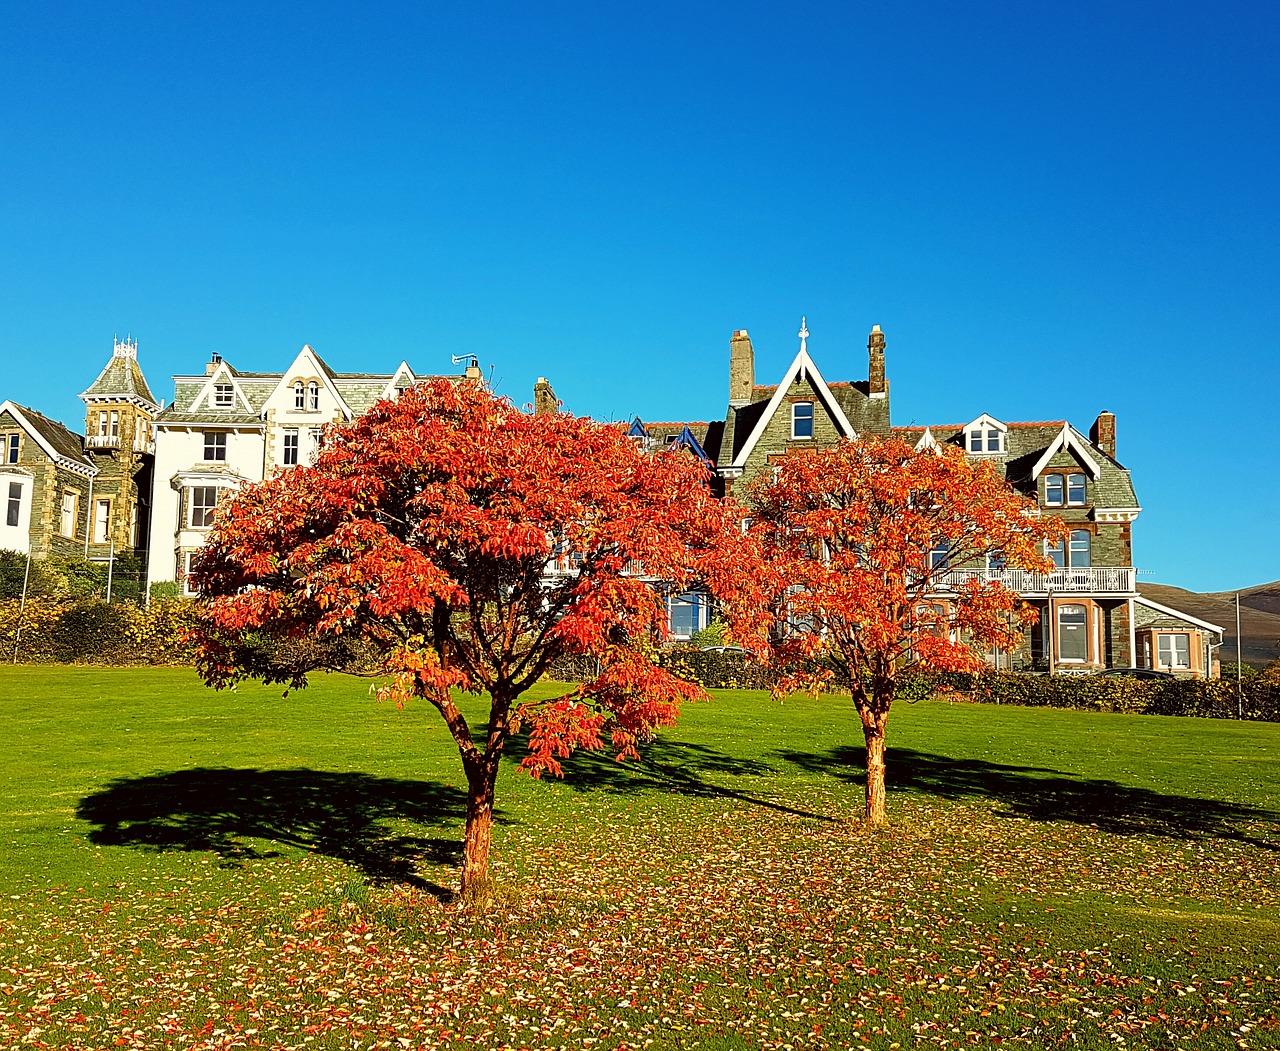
{"type": "Point", "coordinates": [871, 545]}
{"type": "Point", "coordinates": [449, 541]}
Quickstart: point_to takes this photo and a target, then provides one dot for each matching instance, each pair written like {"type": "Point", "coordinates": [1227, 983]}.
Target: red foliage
{"type": "Point", "coordinates": [865, 540]}
{"type": "Point", "coordinates": [431, 540]}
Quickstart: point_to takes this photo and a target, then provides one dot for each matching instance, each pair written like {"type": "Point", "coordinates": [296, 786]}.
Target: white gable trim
{"type": "Point", "coordinates": [308, 359]}
{"type": "Point", "coordinates": [1068, 438]}
{"type": "Point", "coordinates": [987, 420]}
{"type": "Point", "coordinates": [403, 370]}
{"type": "Point", "coordinates": [928, 442]}
{"type": "Point", "coordinates": [1170, 611]}
{"type": "Point", "coordinates": [221, 374]}
{"type": "Point", "coordinates": [801, 368]}
{"type": "Point", "coordinates": [71, 465]}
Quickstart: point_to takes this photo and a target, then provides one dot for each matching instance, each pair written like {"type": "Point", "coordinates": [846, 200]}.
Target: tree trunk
{"type": "Point", "coordinates": [482, 777]}
{"type": "Point", "coordinates": [873, 725]}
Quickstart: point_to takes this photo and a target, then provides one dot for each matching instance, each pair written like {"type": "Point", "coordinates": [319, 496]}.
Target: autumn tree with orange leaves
{"type": "Point", "coordinates": [464, 545]}
{"type": "Point", "coordinates": [870, 542]}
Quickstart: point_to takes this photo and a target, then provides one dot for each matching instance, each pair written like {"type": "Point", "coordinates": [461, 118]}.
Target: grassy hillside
{"type": "Point", "coordinates": [188, 869]}
{"type": "Point", "coordinates": [1259, 616]}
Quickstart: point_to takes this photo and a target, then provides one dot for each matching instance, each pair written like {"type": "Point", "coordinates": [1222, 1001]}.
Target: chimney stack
{"type": "Point", "coordinates": [544, 398]}
{"type": "Point", "coordinates": [215, 359]}
{"type": "Point", "coordinates": [742, 369]}
{"type": "Point", "coordinates": [876, 385]}
{"type": "Point", "coordinates": [1103, 433]}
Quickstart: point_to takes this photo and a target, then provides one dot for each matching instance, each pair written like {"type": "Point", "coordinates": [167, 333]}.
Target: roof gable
{"type": "Point", "coordinates": [59, 444]}
{"type": "Point", "coordinates": [1070, 440]}
{"type": "Point", "coordinates": [802, 369]}
{"type": "Point", "coordinates": [309, 364]}
{"type": "Point", "coordinates": [223, 374]}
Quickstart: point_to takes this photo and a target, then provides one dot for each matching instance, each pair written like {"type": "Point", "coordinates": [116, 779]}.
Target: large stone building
{"type": "Point", "coordinates": [76, 495]}
{"type": "Point", "coordinates": [1091, 615]}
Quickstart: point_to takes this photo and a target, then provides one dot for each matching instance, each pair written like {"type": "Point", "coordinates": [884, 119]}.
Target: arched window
{"type": "Point", "coordinates": [299, 397]}
{"type": "Point", "coordinates": [313, 396]}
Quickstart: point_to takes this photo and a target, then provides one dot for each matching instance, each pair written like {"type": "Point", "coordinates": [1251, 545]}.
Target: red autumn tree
{"type": "Point", "coordinates": [872, 543]}
{"type": "Point", "coordinates": [457, 543]}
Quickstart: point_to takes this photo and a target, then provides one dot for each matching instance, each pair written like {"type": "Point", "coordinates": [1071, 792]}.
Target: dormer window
{"type": "Point", "coordinates": [985, 436]}
{"type": "Point", "coordinates": [802, 419]}
{"type": "Point", "coordinates": [313, 396]}
{"type": "Point", "coordinates": [299, 396]}
{"type": "Point", "coordinates": [224, 395]}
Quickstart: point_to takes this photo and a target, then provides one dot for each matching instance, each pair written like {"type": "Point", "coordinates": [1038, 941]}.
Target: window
{"type": "Point", "coordinates": [290, 445]}
{"type": "Point", "coordinates": [1075, 489]}
{"type": "Point", "coordinates": [11, 448]}
{"type": "Point", "coordinates": [299, 398]}
{"type": "Point", "coordinates": [204, 498]}
{"type": "Point", "coordinates": [1078, 549]}
{"type": "Point", "coordinates": [313, 396]}
{"type": "Point", "coordinates": [15, 504]}
{"type": "Point", "coordinates": [101, 521]}
{"type": "Point", "coordinates": [215, 445]}
{"type": "Point", "coordinates": [1053, 490]}
{"type": "Point", "coordinates": [995, 560]}
{"type": "Point", "coordinates": [683, 614]}
{"type": "Point", "coordinates": [1073, 634]}
{"type": "Point", "coordinates": [986, 440]}
{"type": "Point", "coordinates": [67, 526]}
{"type": "Point", "coordinates": [102, 424]}
{"type": "Point", "coordinates": [802, 419]}
{"type": "Point", "coordinates": [115, 424]}
{"type": "Point", "coordinates": [1072, 486]}
{"type": "Point", "coordinates": [313, 446]}
{"type": "Point", "coordinates": [939, 553]}
{"type": "Point", "coordinates": [1175, 651]}
{"type": "Point", "coordinates": [932, 619]}
{"type": "Point", "coordinates": [224, 395]}
{"type": "Point", "coordinates": [1057, 554]}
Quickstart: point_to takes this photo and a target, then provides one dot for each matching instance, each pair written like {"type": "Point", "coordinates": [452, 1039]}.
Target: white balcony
{"type": "Point", "coordinates": [103, 441]}
{"type": "Point", "coordinates": [144, 445]}
{"type": "Point", "coordinates": [1087, 580]}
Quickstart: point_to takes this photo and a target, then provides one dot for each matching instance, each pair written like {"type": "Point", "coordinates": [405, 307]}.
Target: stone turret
{"type": "Point", "coordinates": [544, 398]}
{"type": "Point", "coordinates": [877, 385]}
{"type": "Point", "coordinates": [742, 369]}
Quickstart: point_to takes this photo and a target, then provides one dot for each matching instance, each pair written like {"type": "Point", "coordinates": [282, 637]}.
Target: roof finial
{"type": "Point", "coordinates": [804, 335]}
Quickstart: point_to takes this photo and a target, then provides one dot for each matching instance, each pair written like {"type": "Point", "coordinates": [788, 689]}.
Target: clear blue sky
{"type": "Point", "coordinates": [1050, 208]}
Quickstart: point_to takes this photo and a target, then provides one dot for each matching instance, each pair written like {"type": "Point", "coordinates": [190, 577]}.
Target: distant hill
{"type": "Point", "coordinates": [1259, 616]}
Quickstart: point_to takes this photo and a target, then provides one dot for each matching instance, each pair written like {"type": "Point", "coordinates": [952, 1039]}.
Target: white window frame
{"type": "Point", "coordinates": [299, 395]}
{"type": "Point", "coordinates": [102, 423]}
{"type": "Point", "coordinates": [797, 418]}
{"type": "Point", "coordinates": [67, 522]}
{"type": "Point", "coordinates": [1172, 664]}
{"type": "Point", "coordinates": [1081, 540]}
{"type": "Point", "coordinates": [207, 510]}
{"type": "Point", "coordinates": [224, 396]}
{"type": "Point", "coordinates": [1084, 489]}
{"type": "Point", "coordinates": [13, 505]}
{"type": "Point", "coordinates": [313, 396]}
{"type": "Point", "coordinates": [1060, 484]}
{"type": "Point", "coordinates": [101, 525]}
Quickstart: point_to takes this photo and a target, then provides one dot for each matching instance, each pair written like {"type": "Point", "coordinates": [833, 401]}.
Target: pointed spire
{"type": "Point", "coordinates": [804, 336]}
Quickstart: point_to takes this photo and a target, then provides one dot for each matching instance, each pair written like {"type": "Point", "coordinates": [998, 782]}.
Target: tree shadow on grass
{"type": "Point", "coordinates": [671, 766]}
{"type": "Point", "coordinates": [339, 815]}
{"type": "Point", "coordinates": [1044, 794]}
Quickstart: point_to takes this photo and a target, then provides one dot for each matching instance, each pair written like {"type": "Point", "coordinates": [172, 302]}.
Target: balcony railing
{"type": "Point", "coordinates": [1090, 580]}
{"type": "Point", "coordinates": [569, 565]}
{"type": "Point", "coordinates": [103, 441]}
{"type": "Point", "coordinates": [144, 445]}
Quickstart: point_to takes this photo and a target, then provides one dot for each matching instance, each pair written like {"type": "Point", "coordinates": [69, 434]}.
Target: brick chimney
{"type": "Point", "coordinates": [742, 368]}
{"type": "Point", "coordinates": [876, 385]}
{"type": "Point", "coordinates": [1103, 433]}
{"type": "Point", "coordinates": [544, 398]}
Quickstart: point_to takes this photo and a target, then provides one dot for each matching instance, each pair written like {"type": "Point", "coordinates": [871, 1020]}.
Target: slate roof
{"type": "Point", "coordinates": [64, 442]}
{"type": "Point", "coordinates": [122, 377]}
{"type": "Point", "coordinates": [1025, 444]}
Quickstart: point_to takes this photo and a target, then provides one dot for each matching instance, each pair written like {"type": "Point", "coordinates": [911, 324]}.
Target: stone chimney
{"type": "Point", "coordinates": [742, 369]}
{"type": "Point", "coordinates": [876, 385]}
{"type": "Point", "coordinates": [1103, 433]}
{"type": "Point", "coordinates": [544, 398]}
{"type": "Point", "coordinates": [215, 359]}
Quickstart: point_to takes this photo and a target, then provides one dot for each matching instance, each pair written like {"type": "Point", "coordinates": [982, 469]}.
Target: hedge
{"type": "Point", "coordinates": [93, 632]}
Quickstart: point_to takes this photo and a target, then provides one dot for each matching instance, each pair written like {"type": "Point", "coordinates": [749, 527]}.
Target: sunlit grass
{"type": "Point", "coordinates": [182, 868]}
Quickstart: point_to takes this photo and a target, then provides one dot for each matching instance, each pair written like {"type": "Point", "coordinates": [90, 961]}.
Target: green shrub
{"type": "Point", "coordinates": [93, 632]}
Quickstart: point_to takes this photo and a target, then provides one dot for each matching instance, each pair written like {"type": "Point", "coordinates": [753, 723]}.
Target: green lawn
{"type": "Point", "coordinates": [186, 869]}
